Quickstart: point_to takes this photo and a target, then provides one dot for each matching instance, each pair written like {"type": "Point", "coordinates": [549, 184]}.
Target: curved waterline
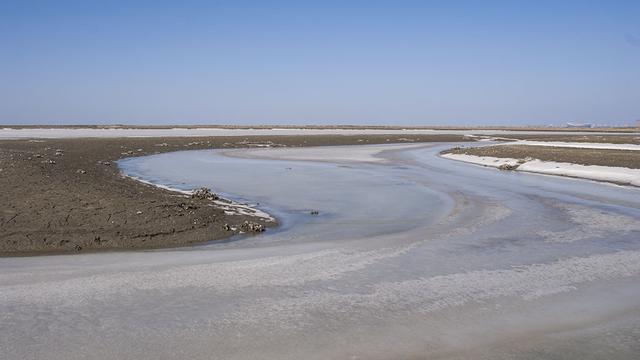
{"type": "Point", "coordinates": [412, 256]}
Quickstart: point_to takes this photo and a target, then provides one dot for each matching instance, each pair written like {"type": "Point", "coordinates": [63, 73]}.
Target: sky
{"type": "Point", "coordinates": [319, 62]}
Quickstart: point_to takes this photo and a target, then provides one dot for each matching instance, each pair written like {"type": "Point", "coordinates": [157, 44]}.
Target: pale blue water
{"type": "Point", "coordinates": [416, 257]}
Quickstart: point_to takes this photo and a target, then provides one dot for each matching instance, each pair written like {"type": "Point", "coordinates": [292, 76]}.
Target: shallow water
{"type": "Point", "coordinates": [412, 256]}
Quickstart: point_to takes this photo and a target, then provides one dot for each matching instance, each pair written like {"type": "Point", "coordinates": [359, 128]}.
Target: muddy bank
{"type": "Point", "coordinates": [608, 139]}
{"type": "Point", "coordinates": [67, 195]}
{"type": "Point", "coordinates": [582, 156]}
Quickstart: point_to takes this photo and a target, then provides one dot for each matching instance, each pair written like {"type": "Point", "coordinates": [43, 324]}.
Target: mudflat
{"type": "Point", "coordinates": [582, 156]}
{"type": "Point", "coordinates": [610, 138]}
{"type": "Point", "coordinates": [68, 195]}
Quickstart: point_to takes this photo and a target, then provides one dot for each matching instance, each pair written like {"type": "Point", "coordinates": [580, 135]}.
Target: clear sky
{"type": "Point", "coordinates": [294, 62]}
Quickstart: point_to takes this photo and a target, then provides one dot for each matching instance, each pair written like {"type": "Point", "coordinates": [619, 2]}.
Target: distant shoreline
{"type": "Point", "coordinates": [333, 127]}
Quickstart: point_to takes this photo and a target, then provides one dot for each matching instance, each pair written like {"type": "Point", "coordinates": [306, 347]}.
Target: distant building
{"type": "Point", "coordinates": [574, 125]}
{"type": "Point", "coordinates": [638, 123]}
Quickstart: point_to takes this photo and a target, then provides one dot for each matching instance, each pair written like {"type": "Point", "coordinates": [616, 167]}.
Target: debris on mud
{"type": "Point", "coordinates": [527, 159]}
{"type": "Point", "coordinates": [204, 193]}
{"type": "Point", "coordinates": [186, 206]}
{"type": "Point", "coordinates": [508, 167]}
{"type": "Point", "coordinates": [250, 226]}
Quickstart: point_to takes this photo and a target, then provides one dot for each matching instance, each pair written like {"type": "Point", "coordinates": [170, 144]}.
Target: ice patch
{"type": "Point", "coordinates": [334, 154]}
{"type": "Point", "coordinates": [291, 270]}
{"type": "Point", "coordinates": [230, 207]}
{"type": "Point", "coordinates": [577, 145]}
{"type": "Point", "coordinates": [618, 175]}
{"type": "Point", "coordinates": [432, 294]}
{"type": "Point", "coordinates": [592, 223]}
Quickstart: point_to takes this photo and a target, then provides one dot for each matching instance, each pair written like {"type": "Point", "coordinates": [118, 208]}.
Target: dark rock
{"type": "Point", "coordinates": [250, 226]}
{"type": "Point", "coordinates": [204, 194]}
{"type": "Point", "coordinates": [186, 206]}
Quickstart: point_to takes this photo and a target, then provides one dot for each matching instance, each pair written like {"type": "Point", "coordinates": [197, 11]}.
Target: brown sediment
{"type": "Point", "coordinates": [582, 156]}
{"type": "Point", "coordinates": [609, 138]}
{"type": "Point", "coordinates": [67, 195]}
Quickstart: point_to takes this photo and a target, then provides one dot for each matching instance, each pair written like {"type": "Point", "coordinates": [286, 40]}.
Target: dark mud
{"type": "Point", "coordinates": [67, 195]}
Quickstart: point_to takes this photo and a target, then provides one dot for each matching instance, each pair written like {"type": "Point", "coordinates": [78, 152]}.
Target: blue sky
{"type": "Point", "coordinates": [321, 62]}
